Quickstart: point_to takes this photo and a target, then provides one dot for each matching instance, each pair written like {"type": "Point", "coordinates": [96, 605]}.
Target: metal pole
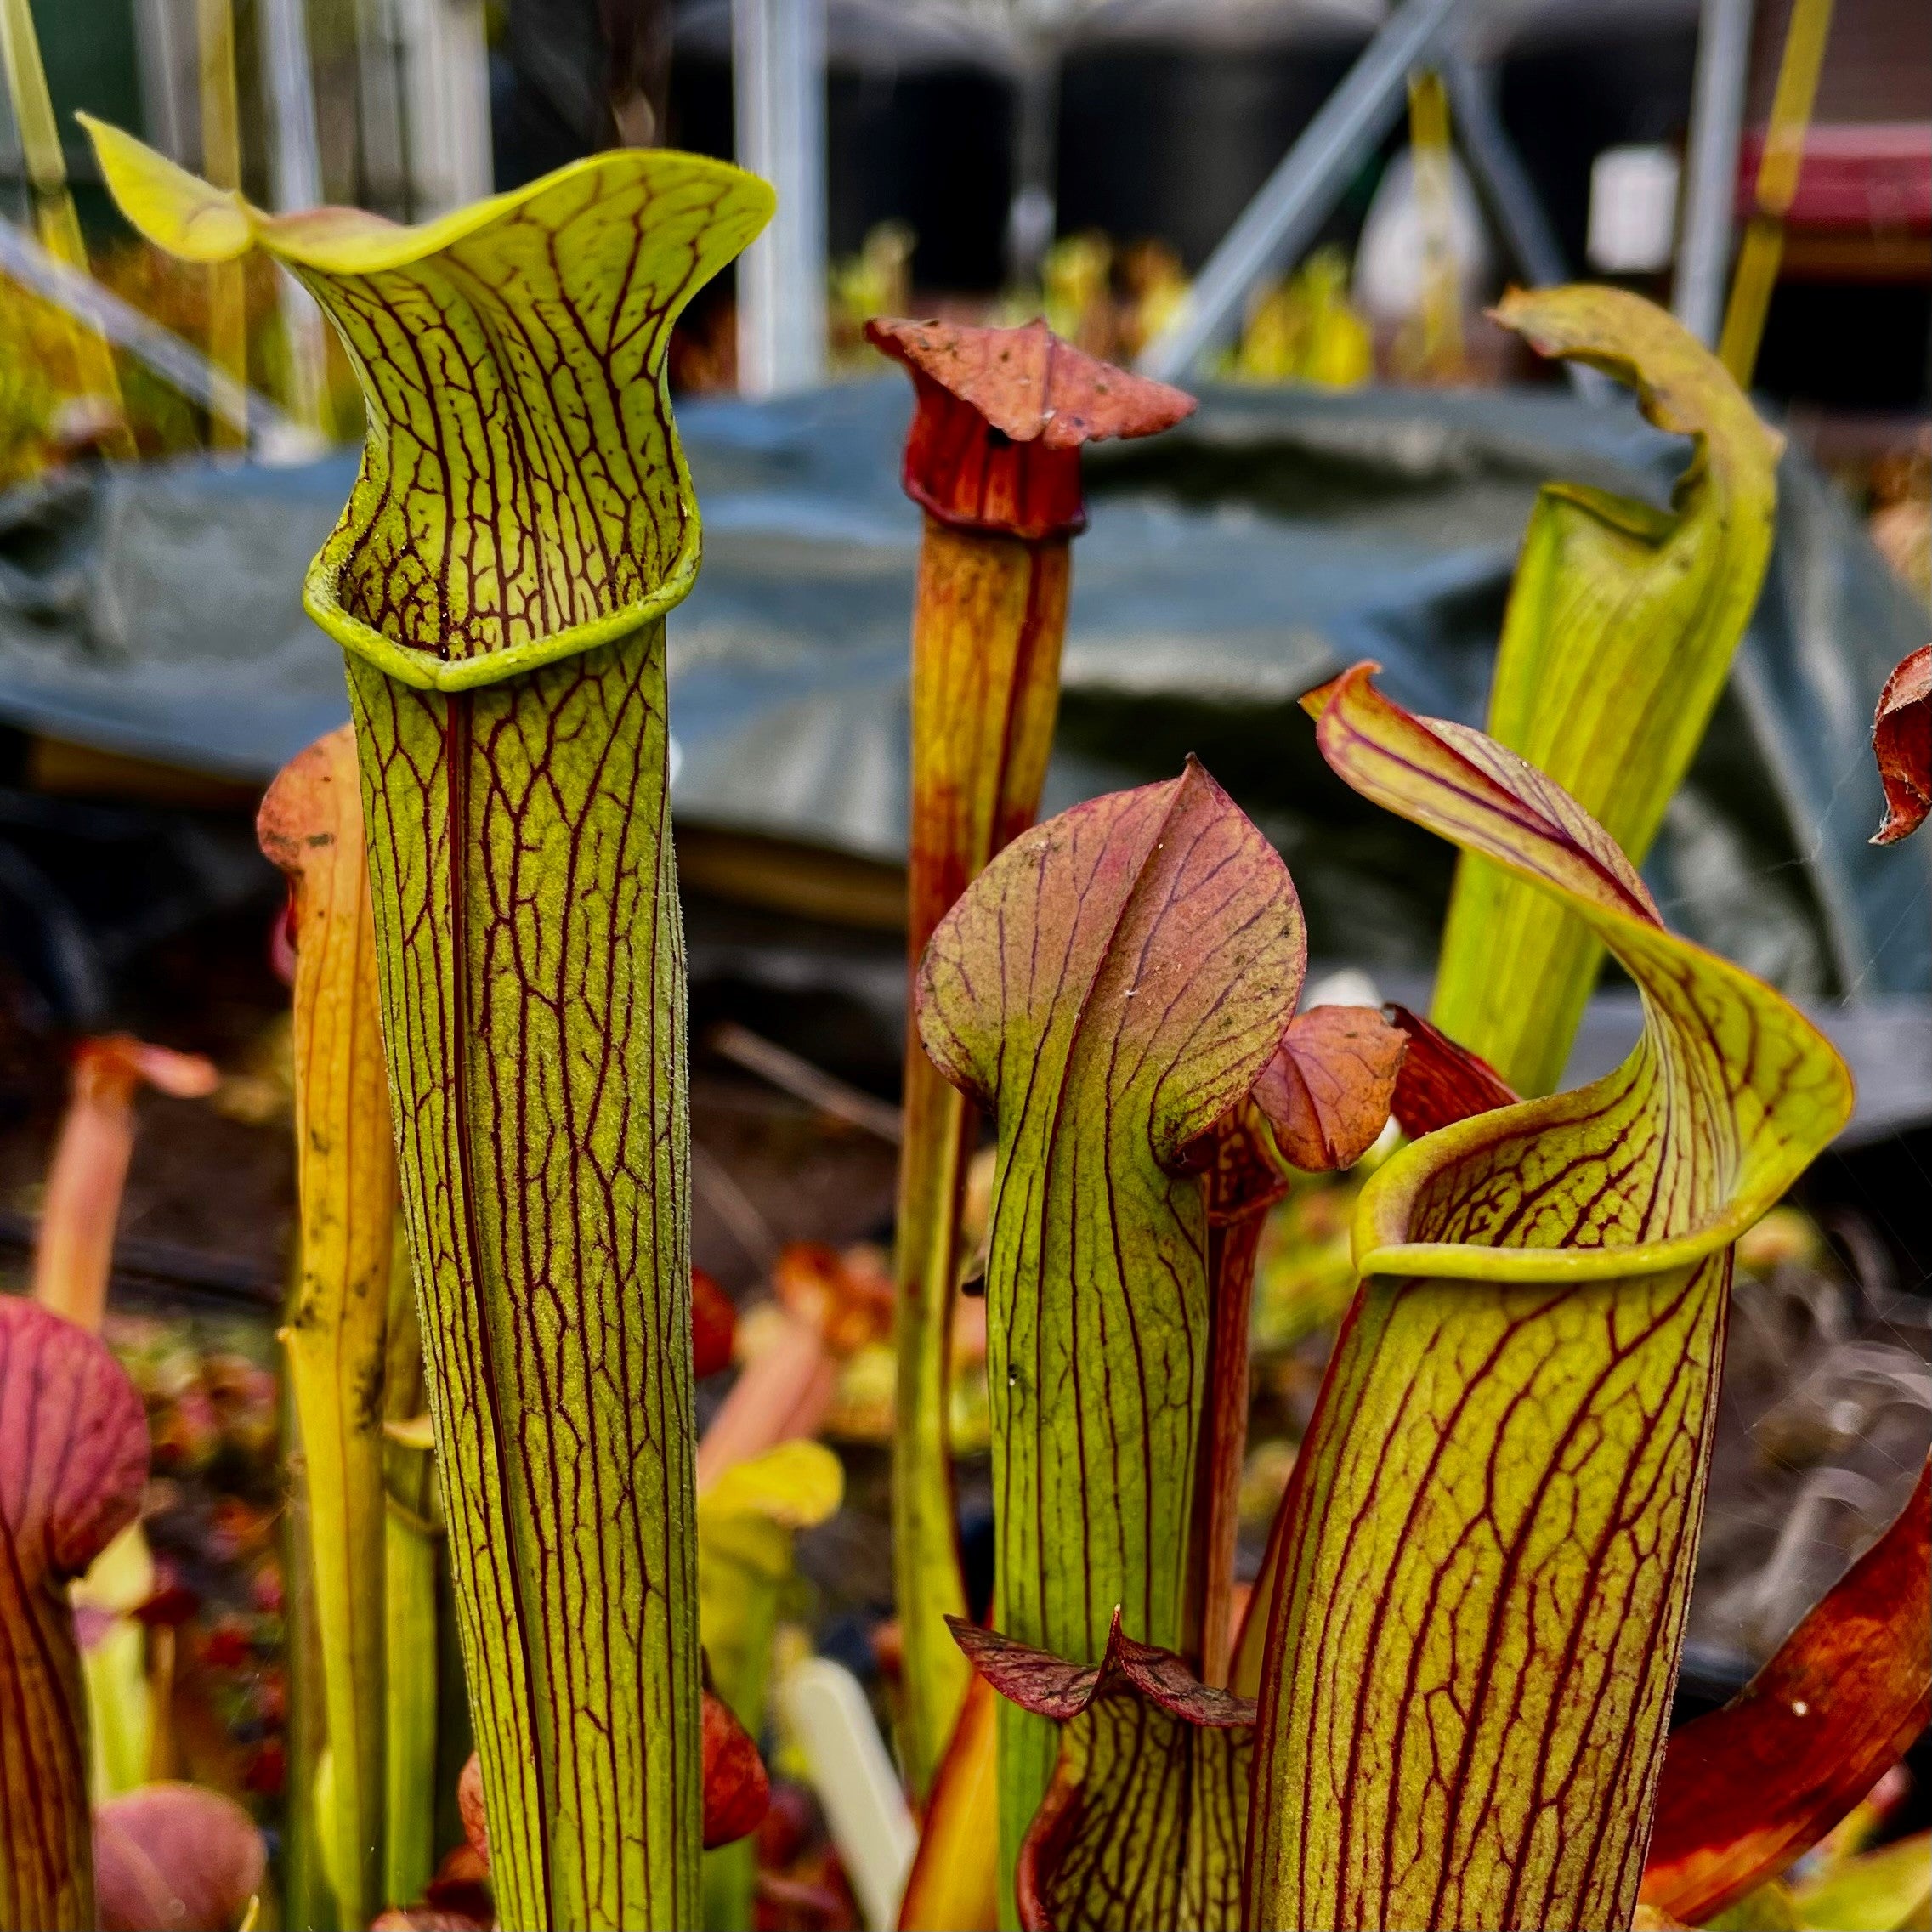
{"type": "Point", "coordinates": [221, 162]}
{"type": "Point", "coordinates": [1030, 218]}
{"type": "Point", "coordinates": [295, 167]}
{"type": "Point", "coordinates": [166, 57]}
{"type": "Point", "coordinates": [381, 137]}
{"type": "Point", "coordinates": [295, 180]}
{"type": "Point", "coordinates": [1294, 201]}
{"type": "Point", "coordinates": [1710, 193]}
{"type": "Point", "coordinates": [1505, 186]}
{"type": "Point", "coordinates": [1763, 252]}
{"type": "Point", "coordinates": [445, 101]}
{"type": "Point", "coordinates": [1500, 176]}
{"type": "Point", "coordinates": [778, 83]}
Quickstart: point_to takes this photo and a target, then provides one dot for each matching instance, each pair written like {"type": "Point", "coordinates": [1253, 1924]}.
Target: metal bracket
{"type": "Point", "coordinates": [1294, 201]}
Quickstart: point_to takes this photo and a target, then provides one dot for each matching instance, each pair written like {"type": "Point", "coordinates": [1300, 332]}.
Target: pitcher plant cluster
{"type": "Point", "coordinates": [1444, 1702]}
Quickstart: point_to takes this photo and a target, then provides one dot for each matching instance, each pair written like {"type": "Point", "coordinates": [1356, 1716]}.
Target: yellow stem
{"type": "Point", "coordinates": [308, 1903]}
{"type": "Point", "coordinates": [336, 1335]}
{"type": "Point", "coordinates": [1440, 316]}
{"type": "Point", "coordinates": [1763, 251]}
{"type": "Point", "coordinates": [221, 160]}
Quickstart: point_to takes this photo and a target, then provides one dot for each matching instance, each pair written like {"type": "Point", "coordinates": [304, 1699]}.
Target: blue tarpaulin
{"type": "Point", "coordinates": [1276, 536]}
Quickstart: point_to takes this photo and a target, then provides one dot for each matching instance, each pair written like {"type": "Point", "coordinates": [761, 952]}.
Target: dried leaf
{"type": "Point", "coordinates": [1328, 1090]}
{"type": "Point", "coordinates": [1029, 385]}
{"type": "Point", "coordinates": [1901, 741]}
{"type": "Point", "coordinates": [1035, 1680]}
{"type": "Point", "coordinates": [996, 434]}
{"type": "Point", "coordinates": [1050, 1687]}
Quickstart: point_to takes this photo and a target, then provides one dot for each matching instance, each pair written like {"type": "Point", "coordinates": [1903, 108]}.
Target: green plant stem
{"type": "Point", "coordinates": [988, 620]}
{"type": "Point", "coordinates": [413, 1550]}
{"type": "Point", "coordinates": [532, 984]}
{"type": "Point", "coordinates": [410, 1737]}
{"type": "Point", "coordinates": [308, 1904]}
